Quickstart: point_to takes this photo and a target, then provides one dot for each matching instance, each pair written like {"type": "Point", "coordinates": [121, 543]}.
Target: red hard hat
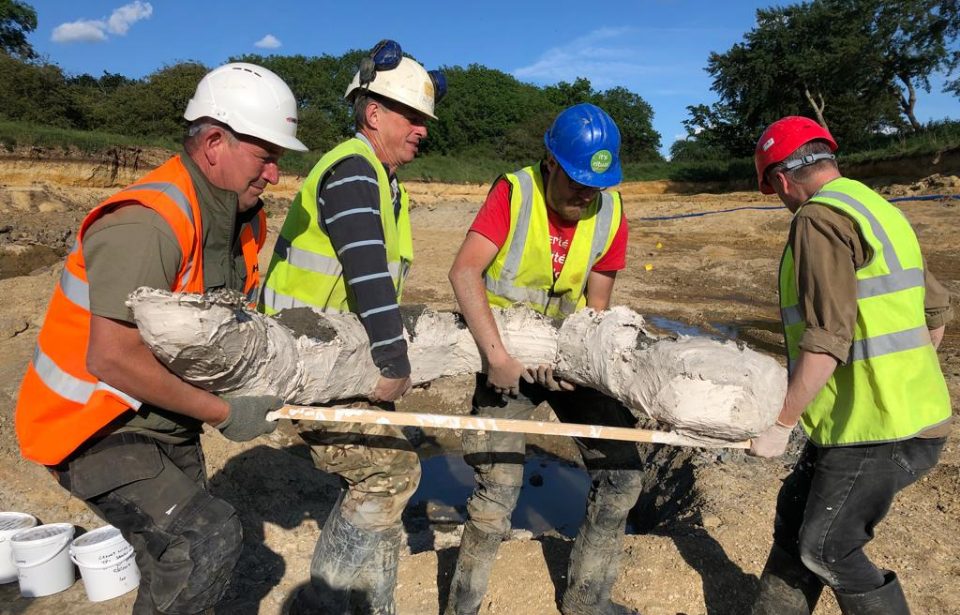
{"type": "Point", "coordinates": [781, 139]}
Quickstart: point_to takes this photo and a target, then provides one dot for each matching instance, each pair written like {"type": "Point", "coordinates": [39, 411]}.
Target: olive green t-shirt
{"type": "Point", "coordinates": [133, 246]}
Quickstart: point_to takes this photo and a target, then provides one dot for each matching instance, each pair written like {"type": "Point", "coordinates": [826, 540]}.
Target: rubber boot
{"type": "Point", "coordinates": [373, 592]}
{"type": "Point", "coordinates": [787, 587]}
{"type": "Point", "coordinates": [478, 550]}
{"type": "Point", "coordinates": [594, 566]}
{"type": "Point", "coordinates": [339, 556]}
{"type": "Point", "coordinates": [888, 599]}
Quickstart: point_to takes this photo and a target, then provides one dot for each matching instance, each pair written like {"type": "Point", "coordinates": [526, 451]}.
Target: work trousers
{"type": "Point", "coordinates": [830, 504]}
{"type": "Point", "coordinates": [378, 467]}
{"type": "Point", "coordinates": [187, 542]}
{"type": "Point", "coordinates": [498, 457]}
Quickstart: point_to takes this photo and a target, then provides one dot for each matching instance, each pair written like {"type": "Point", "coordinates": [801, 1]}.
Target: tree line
{"type": "Point", "coordinates": [855, 66]}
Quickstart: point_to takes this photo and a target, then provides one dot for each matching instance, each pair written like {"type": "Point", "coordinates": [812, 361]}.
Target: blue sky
{"type": "Point", "coordinates": [656, 48]}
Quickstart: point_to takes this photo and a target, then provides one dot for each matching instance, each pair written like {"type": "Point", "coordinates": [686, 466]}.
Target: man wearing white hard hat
{"type": "Point", "coordinates": [115, 427]}
{"type": "Point", "coordinates": [346, 246]}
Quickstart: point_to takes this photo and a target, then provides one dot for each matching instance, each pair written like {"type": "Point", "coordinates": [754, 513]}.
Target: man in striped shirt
{"type": "Point", "coordinates": [346, 246]}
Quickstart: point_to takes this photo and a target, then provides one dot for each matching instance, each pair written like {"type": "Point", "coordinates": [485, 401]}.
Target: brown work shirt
{"type": "Point", "coordinates": [828, 250]}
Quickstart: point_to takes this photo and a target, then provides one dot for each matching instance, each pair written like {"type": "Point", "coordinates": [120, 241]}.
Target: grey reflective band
{"type": "Point", "coordinates": [278, 301]}
{"type": "Point", "coordinates": [171, 191]}
{"type": "Point", "coordinates": [515, 253]}
{"type": "Point", "coordinates": [600, 233]}
{"type": "Point", "coordinates": [790, 315]}
{"type": "Point", "coordinates": [174, 193]}
{"type": "Point", "coordinates": [70, 387]}
{"type": "Point", "coordinates": [304, 259]}
{"type": "Point", "coordinates": [889, 255]}
{"type": "Point", "coordinates": [890, 283]}
{"type": "Point", "coordinates": [879, 345]}
{"type": "Point", "coordinates": [253, 293]}
{"type": "Point", "coordinates": [75, 289]}
{"type": "Point", "coordinates": [133, 403]}
{"type": "Point", "coordinates": [504, 288]}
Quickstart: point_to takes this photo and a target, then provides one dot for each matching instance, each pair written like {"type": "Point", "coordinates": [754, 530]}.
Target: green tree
{"type": "Point", "coordinates": [639, 142]}
{"type": "Point", "coordinates": [17, 19]}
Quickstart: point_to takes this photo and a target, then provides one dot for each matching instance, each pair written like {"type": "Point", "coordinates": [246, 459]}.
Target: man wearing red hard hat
{"type": "Point", "coordinates": [862, 318]}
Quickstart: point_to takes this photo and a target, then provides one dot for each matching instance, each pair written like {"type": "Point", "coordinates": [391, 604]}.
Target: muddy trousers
{"type": "Point", "coordinates": [187, 542]}
{"type": "Point", "coordinates": [827, 510]}
{"type": "Point", "coordinates": [498, 458]}
{"type": "Point", "coordinates": [354, 564]}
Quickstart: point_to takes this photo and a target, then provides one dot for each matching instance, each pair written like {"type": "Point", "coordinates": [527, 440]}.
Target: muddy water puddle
{"type": "Point", "coordinates": [552, 497]}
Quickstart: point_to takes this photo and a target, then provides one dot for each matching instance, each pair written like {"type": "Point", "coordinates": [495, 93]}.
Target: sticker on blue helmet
{"type": "Point", "coordinates": [601, 161]}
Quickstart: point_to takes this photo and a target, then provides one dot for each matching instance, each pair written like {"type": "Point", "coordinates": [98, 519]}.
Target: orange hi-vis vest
{"type": "Point", "coordinates": [61, 404]}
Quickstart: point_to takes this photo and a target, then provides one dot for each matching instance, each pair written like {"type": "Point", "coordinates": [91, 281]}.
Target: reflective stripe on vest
{"type": "Point", "coordinates": [872, 398]}
{"type": "Point", "coordinates": [305, 270]}
{"type": "Point", "coordinates": [513, 277]}
{"type": "Point", "coordinates": [61, 404]}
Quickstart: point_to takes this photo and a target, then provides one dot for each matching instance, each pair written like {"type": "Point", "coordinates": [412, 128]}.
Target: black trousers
{"type": "Point", "coordinates": [830, 504]}
{"type": "Point", "coordinates": [187, 542]}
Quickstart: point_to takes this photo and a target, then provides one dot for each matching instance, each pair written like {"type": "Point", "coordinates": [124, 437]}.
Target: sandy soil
{"type": "Point", "coordinates": [710, 514]}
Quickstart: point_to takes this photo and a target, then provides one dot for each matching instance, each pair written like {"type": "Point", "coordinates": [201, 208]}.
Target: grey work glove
{"type": "Point", "coordinates": [772, 442]}
{"type": "Point", "coordinates": [247, 415]}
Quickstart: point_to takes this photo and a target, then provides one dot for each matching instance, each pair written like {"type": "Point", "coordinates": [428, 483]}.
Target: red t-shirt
{"type": "Point", "coordinates": [493, 222]}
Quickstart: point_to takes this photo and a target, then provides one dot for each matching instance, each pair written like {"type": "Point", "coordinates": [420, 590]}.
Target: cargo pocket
{"type": "Point", "coordinates": [119, 460]}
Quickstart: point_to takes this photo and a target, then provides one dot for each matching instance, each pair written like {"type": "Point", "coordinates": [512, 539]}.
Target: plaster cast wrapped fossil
{"type": "Point", "coordinates": [703, 388]}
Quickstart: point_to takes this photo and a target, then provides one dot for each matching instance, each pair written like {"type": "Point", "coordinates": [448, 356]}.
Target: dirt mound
{"type": "Point", "coordinates": [936, 184]}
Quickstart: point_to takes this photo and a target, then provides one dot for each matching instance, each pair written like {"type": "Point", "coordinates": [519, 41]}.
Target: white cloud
{"type": "Point", "coordinates": [268, 42]}
{"type": "Point", "coordinates": [95, 30]}
{"type": "Point", "coordinates": [127, 15]}
{"type": "Point", "coordinates": [83, 31]}
{"type": "Point", "coordinates": [608, 57]}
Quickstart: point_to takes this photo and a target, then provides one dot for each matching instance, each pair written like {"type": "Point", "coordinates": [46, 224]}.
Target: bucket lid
{"type": "Point", "coordinates": [10, 521]}
{"type": "Point", "coordinates": [96, 538]}
{"type": "Point", "coordinates": [43, 533]}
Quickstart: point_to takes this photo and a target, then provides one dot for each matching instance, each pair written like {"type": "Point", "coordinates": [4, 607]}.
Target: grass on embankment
{"type": "Point", "coordinates": [936, 137]}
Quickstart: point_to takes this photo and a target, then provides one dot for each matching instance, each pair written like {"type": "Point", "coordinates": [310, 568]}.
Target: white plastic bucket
{"type": "Point", "coordinates": [43, 559]}
{"type": "Point", "coordinates": [10, 524]}
{"type": "Point", "coordinates": [106, 563]}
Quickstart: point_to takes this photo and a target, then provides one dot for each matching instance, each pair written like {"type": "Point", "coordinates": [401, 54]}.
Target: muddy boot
{"type": "Point", "coordinates": [787, 587]}
{"type": "Point", "coordinates": [373, 592]}
{"type": "Point", "coordinates": [888, 599]}
{"type": "Point", "coordinates": [478, 550]}
{"type": "Point", "coordinates": [593, 569]}
{"type": "Point", "coordinates": [337, 560]}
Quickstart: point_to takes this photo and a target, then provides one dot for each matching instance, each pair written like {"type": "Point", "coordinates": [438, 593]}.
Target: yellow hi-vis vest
{"type": "Point", "coordinates": [304, 269]}
{"type": "Point", "coordinates": [891, 387]}
{"type": "Point", "coordinates": [522, 271]}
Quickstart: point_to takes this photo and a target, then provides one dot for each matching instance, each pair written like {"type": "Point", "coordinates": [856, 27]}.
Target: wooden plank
{"type": "Point", "coordinates": [480, 423]}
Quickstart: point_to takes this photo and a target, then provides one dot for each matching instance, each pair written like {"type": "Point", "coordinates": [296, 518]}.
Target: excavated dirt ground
{"type": "Point", "coordinates": [712, 513]}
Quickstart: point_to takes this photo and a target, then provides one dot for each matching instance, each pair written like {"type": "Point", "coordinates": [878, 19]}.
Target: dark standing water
{"type": "Point", "coordinates": [553, 495]}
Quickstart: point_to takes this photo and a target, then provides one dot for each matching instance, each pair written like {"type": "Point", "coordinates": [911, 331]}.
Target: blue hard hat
{"type": "Point", "coordinates": [586, 143]}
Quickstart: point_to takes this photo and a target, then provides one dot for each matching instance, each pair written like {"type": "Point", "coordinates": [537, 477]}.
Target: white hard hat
{"type": "Point", "coordinates": [408, 83]}
{"type": "Point", "coordinates": [251, 100]}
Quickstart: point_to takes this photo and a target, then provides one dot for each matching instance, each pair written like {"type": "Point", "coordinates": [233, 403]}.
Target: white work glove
{"type": "Point", "coordinates": [543, 376]}
{"type": "Point", "coordinates": [772, 442]}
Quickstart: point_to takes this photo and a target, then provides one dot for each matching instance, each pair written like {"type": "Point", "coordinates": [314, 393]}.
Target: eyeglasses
{"type": "Point", "coordinates": [386, 55]}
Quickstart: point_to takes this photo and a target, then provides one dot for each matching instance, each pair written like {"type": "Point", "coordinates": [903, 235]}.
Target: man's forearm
{"type": "Point", "coordinates": [810, 374]}
{"type": "Point", "coordinates": [471, 294]}
{"type": "Point", "coordinates": [118, 357]}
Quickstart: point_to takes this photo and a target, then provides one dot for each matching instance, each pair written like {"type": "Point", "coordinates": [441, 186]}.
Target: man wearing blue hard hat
{"type": "Point", "coordinates": [550, 236]}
